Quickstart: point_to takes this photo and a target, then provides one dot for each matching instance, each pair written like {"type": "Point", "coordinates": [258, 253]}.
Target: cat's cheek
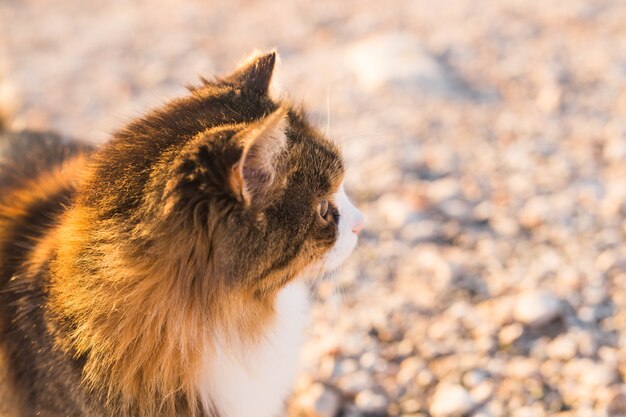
{"type": "Point", "coordinates": [350, 219]}
{"type": "Point", "coordinates": [340, 252]}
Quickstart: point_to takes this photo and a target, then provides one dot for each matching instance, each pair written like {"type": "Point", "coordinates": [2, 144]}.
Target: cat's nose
{"type": "Point", "coordinates": [358, 225]}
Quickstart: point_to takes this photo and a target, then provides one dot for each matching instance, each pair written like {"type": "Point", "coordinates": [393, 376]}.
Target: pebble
{"type": "Point", "coordinates": [510, 333]}
{"type": "Point", "coordinates": [425, 378]}
{"type": "Point", "coordinates": [537, 308]}
{"type": "Point", "coordinates": [396, 211]}
{"type": "Point", "coordinates": [395, 58]}
{"type": "Point", "coordinates": [354, 383]}
{"type": "Point", "coordinates": [410, 406]}
{"type": "Point", "coordinates": [597, 374]}
{"type": "Point", "coordinates": [563, 347]}
{"type": "Point", "coordinates": [409, 369]}
{"type": "Point", "coordinates": [318, 401]}
{"type": "Point", "coordinates": [483, 391]}
{"type": "Point", "coordinates": [617, 405]}
{"type": "Point", "coordinates": [370, 401]}
{"type": "Point", "coordinates": [583, 376]}
{"type": "Point", "coordinates": [450, 400]}
{"type": "Point", "coordinates": [474, 377]}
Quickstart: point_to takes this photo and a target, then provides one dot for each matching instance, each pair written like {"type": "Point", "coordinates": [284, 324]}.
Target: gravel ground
{"type": "Point", "coordinates": [486, 143]}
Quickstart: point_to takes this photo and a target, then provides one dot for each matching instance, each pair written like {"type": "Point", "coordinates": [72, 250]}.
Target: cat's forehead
{"type": "Point", "coordinates": [318, 157]}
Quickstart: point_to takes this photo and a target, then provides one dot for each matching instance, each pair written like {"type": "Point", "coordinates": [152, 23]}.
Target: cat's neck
{"type": "Point", "coordinates": [262, 373]}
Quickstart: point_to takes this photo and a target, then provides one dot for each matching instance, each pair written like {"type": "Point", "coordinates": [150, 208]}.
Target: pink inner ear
{"type": "Point", "coordinates": [257, 180]}
{"type": "Point", "coordinates": [263, 142]}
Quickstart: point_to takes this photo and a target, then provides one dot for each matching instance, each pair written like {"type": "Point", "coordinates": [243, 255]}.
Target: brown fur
{"type": "Point", "coordinates": [185, 225]}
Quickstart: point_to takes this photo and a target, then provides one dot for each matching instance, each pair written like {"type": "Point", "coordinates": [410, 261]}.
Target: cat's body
{"type": "Point", "coordinates": [164, 273]}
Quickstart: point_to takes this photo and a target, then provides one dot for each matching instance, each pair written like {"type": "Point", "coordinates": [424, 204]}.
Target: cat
{"type": "Point", "coordinates": [165, 272]}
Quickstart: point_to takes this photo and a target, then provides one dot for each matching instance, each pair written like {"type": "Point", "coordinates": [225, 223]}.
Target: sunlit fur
{"type": "Point", "coordinates": [124, 271]}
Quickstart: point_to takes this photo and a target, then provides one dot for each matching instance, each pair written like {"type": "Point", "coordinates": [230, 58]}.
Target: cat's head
{"type": "Point", "coordinates": [229, 181]}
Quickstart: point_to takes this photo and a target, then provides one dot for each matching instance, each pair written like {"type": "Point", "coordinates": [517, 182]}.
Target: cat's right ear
{"type": "Point", "coordinates": [256, 72]}
{"type": "Point", "coordinates": [253, 175]}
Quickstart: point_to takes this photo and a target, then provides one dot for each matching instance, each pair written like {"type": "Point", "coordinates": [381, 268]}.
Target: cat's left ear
{"type": "Point", "coordinates": [255, 74]}
{"type": "Point", "coordinates": [253, 175]}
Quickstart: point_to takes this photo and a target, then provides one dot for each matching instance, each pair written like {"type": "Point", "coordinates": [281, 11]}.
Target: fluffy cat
{"type": "Point", "coordinates": [163, 274]}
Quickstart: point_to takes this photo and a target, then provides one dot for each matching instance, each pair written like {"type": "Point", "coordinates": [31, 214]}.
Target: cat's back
{"type": "Point", "coordinates": [37, 173]}
{"type": "Point", "coordinates": [37, 176]}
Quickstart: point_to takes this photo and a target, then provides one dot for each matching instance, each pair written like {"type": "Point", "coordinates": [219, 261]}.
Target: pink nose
{"type": "Point", "coordinates": [357, 229]}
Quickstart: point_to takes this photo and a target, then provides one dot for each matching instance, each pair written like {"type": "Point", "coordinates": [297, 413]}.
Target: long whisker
{"type": "Point", "coordinates": [328, 112]}
{"type": "Point", "coordinates": [335, 300]}
{"type": "Point", "coordinates": [319, 278]}
{"type": "Point", "coordinates": [314, 278]}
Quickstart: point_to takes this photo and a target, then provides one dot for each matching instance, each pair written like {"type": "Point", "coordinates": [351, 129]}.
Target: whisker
{"type": "Point", "coordinates": [335, 301]}
{"type": "Point", "coordinates": [313, 277]}
{"type": "Point", "coordinates": [328, 111]}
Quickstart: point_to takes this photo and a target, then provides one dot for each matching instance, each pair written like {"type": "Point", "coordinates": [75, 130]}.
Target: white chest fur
{"type": "Point", "coordinates": [256, 380]}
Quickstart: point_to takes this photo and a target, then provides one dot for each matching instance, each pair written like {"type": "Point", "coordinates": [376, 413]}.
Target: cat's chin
{"type": "Point", "coordinates": [323, 269]}
{"type": "Point", "coordinates": [340, 253]}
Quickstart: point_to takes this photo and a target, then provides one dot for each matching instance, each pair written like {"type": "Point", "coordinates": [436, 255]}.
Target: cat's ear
{"type": "Point", "coordinates": [255, 74]}
{"type": "Point", "coordinates": [252, 176]}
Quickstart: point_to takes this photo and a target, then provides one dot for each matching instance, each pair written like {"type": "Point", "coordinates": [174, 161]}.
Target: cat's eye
{"type": "Point", "coordinates": [323, 209]}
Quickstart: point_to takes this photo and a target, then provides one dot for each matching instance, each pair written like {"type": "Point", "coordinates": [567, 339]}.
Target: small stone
{"type": "Point", "coordinates": [406, 348]}
{"type": "Point", "coordinates": [396, 58]}
{"type": "Point", "coordinates": [318, 401]}
{"type": "Point", "coordinates": [409, 369]}
{"type": "Point", "coordinates": [474, 377]}
{"type": "Point", "coordinates": [450, 400]}
{"type": "Point", "coordinates": [534, 212]}
{"type": "Point", "coordinates": [482, 413]}
{"type": "Point", "coordinates": [353, 412]}
{"type": "Point", "coordinates": [370, 401]}
{"type": "Point", "coordinates": [526, 411]}
{"type": "Point", "coordinates": [368, 360]}
{"type": "Point", "coordinates": [549, 98]}
{"type": "Point", "coordinates": [504, 226]}
{"type": "Point", "coordinates": [522, 368]}
{"type": "Point", "coordinates": [494, 408]}
{"type": "Point", "coordinates": [536, 308]}
{"type": "Point", "coordinates": [456, 209]}
{"type": "Point", "coordinates": [425, 378]}
{"type": "Point", "coordinates": [442, 189]}
{"type": "Point", "coordinates": [615, 148]}
{"type": "Point", "coordinates": [617, 405]}
{"type": "Point", "coordinates": [587, 345]}
{"type": "Point", "coordinates": [599, 375]}
{"type": "Point", "coordinates": [396, 211]}
{"type": "Point", "coordinates": [410, 406]}
{"type": "Point", "coordinates": [590, 374]}
{"type": "Point", "coordinates": [509, 334]}
{"type": "Point", "coordinates": [348, 366]}
{"type": "Point", "coordinates": [563, 348]}
{"type": "Point", "coordinates": [483, 391]}
{"type": "Point", "coordinates": [354, 383]}
{"type": "Point", "coordinates": [551, 370]}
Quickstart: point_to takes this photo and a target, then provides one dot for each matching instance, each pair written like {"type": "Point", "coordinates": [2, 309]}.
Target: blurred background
{"type": "Point", "coordinates": [486, 145]}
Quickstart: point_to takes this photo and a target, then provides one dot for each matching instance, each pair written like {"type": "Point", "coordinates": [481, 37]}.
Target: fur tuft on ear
{"type": "Point", "coordinates": [255, 74]}
{"type": "Point", "coordinates": [253, 175]}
